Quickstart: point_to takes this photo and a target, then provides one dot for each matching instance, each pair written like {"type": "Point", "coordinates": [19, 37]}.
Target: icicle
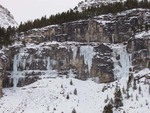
{"type": "Point", "coordinates": [48, 67]}
{"type": "Point", "coordinates": [44, 61]}
{"type": "Point", "coordinates": [24, 64]}
{"type": "Point", "coordinates": [88, 53]}
{"type": "Point", "coordinates": [30, 60]}
{"type": "Point", "coordinates": [113, 40]}
{"type": "Point", "coordinates": [22, 57]}
{"type": "Point", "coordinates": [74, 50]}
{"type": "Point", "coordinates": [123, 62]}
{"type": "Point", "coordinates": [15, 73]}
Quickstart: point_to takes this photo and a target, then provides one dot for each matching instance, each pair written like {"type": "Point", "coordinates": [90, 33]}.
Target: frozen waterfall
{"type": "Point", "coordinates": [15, 73]}
{"type": "Point", "coordinates": [122, 61]}
{"type": "Point", "coordinates": [88, 53]}
{"type": "Point", "coordinates": [18, 60]}
{"type": "Point", "coordinates": [74, 50]}
{"type": "Point", "coordinates": [48, 67]}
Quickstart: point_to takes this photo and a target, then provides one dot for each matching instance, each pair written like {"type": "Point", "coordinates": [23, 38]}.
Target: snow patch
{"type": "Point", "coordinates": [144, 35]}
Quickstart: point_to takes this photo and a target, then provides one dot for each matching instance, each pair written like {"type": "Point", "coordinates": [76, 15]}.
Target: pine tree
{"type": "Point", "coordinates": [140, 90]}
{"type": "Point", "coordinates": [54, 109]}
{"type": "Point", "coordinates": [130, 80]}
{"type": "Point", "coordinates": [107, 98]}
{"type": "Point", "coordinates": [74, 111]}
{"type": "Point", "coordinates": [127, 95]}
{"type": "Point", "coordinates": [104, 88]}
{"type": "Point", "coordinates": [67, 96]}
{"type": "Point", "coordinates": [146, 27]}
{"type": "Point", "coordinates": [123, 90]}
{"type": "Point", "coordinates": [118, 97]}
{"type": "Point", "coordinates": [146, 102]}
{"type": "Point", "coordinates": [72, 15]}
{"type": "Point", "coordinates": [111, 101]}
{"type": "Point", "coordinates": [61, 86]}
{"type": "Point", "coordinates": [108, 108]}
{"type": "Point", "coordinates": [136, 97]}
{"type": "Point", "coordinates": [149, 65]}
{"type": "Point", "coordinates": [134, 85]}
{"type": "Point", "coordinates": [71, 83]}
{"type": "Point", "coordinates": [75, 91]}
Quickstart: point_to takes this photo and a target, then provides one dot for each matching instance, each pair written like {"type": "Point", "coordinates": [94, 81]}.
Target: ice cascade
{"type": "Point", "coordinates": [122, 61]}
{"type": "Point", "coordinates": [15, 73]}
{"type": "Point", "coordinates": [48, 67]}
{"type": "Point", "coordinates": [88, 53]}
{"type": "Point", "coordinates": [74, 50]}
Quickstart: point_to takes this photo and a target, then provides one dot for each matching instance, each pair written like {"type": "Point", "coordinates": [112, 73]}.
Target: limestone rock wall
{"type": "Point", "coordinates": [3, 70]}
{"type": "Point", "coordinates": [31, 62]}
{"type": "Point", "coordinates": [140, 49]}
{"type": "Point", "coordinates": [81, 47]}
{"type": "Point", "coordinates": [108, 28]}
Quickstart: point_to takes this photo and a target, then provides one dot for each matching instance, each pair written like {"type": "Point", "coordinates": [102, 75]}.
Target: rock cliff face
{"type": "Point", "coordinates": [31, 62]}
{"type": "Point", "coordinates": [107, 28]}
{"type": "Point", "coordinates": [104, 48]}
{"type": "Point", "coordinates": [3, 75]}
{"type": "Point", "coordinates": [139, 46]}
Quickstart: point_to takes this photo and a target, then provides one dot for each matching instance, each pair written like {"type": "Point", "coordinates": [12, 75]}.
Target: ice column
{"type": "Point", "coordinates": [48, 67]}
{"type": "Point", "coordinates": [122, 61]}
{"type": "Point", "coordinates": [15, 73]}
{"type": "Point", "coordinates": [88, 53]}
{"type": "Point", "coordinates": [74, 50]}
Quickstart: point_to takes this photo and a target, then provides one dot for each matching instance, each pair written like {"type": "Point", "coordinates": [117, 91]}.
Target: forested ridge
{"type": "Point", "coordinates": [71, 15]}
{"type": "Point", "coordinates": [74, 14]}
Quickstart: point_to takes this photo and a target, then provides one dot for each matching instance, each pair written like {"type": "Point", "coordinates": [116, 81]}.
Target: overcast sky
{"type": "Point", "coordinates": [24, 10]}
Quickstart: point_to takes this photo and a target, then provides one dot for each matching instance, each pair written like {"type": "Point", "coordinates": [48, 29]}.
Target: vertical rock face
{"type": "Point", "coordinates": [102, 64]}
{"type": "Point", "coordinates": [1, 79]}
{"type": "Point", "coordinates": [140, 49]}
{"type": "Point", "coordinates": [108, 28]}
{"type": "Point", "coordinates": [52, 59]}
{"type": "Point", "coordinates": [3, 75]}
{"type": "Point", "coordinates": [104, 47]}
{"type": "Point", "coordinates": [79, 31]}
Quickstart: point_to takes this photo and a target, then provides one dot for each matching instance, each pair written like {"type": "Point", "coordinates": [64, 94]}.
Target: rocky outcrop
{"type": "Point", "coordinates": [31, 62]}
{"type": "Point", "coordinates": [79, 31]}
{"type": "Point", "coordinates": [107, 28]}
{"type": "Point", "coordinates": [139, 46]}
{"type": "Point", "coordinates": [3, 70]}
{"type": "Point", "coordinates": [93, 3]}
{"type": "Point", "coordinates": [102, 64]}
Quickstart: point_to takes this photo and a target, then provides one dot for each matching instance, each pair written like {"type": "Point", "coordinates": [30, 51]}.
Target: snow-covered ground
{"type": "Point", "coordinates": [143, 34]}
{"type": "Point", "coordinates": [49, 96]}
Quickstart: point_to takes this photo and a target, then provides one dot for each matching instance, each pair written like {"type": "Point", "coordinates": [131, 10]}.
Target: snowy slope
{"type": "Point", "coordinates": [48, 95]}
{"type": "Point", "coordinates": [143, 35]}
{"type": "Point", "coordinates": [88, 3]}
{"type": "Point", "coordinates": [6, 19]}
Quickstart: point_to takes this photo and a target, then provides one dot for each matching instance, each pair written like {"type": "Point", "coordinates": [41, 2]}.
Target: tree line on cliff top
{"type": "Point", "coordinates": [71, 15]}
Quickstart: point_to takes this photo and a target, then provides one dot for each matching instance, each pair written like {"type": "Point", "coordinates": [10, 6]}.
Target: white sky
{"type": "Point", "coordinates": [24, 10]}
